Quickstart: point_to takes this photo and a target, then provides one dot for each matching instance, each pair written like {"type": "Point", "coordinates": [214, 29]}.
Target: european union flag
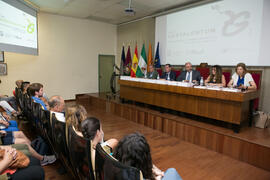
{"type": "Point", "coordinates": [157, 59]}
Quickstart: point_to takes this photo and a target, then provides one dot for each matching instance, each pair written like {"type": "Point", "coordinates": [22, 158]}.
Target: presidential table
{"type": "Point", "coordinates": [224, 104]}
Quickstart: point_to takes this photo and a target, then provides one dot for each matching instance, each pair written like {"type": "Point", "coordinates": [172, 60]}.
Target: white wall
{"type": "Point", "coordinates": [67, 63]}
{"type": "Point", "coordinates": [138, 32]}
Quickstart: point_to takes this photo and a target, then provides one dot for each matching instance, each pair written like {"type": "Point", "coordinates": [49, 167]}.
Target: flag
{"type": "Point", "coordinates": [142, 65]}
{"type": "Point", "coordinates": [157, 59]}
{"type": "Point", "coordinates": [134, 64]}
{"type": "Point", "coordinates": [123, 59]}
{"type": "Point", "coordinates": [127, 64]}
{"type": "Point", "coordinates": [150, 58]}
{"type": "Point", "coordinates": [128, 58]}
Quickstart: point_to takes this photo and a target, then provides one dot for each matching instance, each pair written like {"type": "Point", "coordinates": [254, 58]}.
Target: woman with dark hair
{"type": "Point", "coordinates": [216, 78]}
{"type": "Point", "coordinates": [133, 150]}
{"type": "Point", "coordinates": [92, 129]}
{"type": "Point", "coordinates": [242, 79]}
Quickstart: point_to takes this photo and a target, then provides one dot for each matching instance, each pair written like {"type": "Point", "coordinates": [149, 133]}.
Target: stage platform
{"type": "Point", "coordinates": [250, 145]}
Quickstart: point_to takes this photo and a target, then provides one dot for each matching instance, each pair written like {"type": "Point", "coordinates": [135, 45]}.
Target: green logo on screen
{"type": "Point", "coordinates": [30, 28]}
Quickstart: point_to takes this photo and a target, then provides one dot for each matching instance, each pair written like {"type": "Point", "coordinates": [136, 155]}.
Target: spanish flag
{"type": "Point", "coordinates": [134, 65]}
{"type": "Point", "coordinates": [150, 59]}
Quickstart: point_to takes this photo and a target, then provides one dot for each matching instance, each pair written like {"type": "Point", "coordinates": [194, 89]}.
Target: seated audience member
{"type": "Point", "coordinates": [189, 75]}
{"type": "Point", "coordinates": [133, 150]}
{"type": "Point", "coordinates": [75, 115]}
{"type": "Point", "coordinates": [25, 86]}
{"type": "Point", "coordinates": [18, 137]}
{"type": "Point", "coordinates": [6, 124]}
{"type": "Point", "coordinates": [152, 74]}
{"type": "Point", "coordinates": [11, 99]}
{"type": "Point", "coordinates": [242, 79]}
{"type": "Point", "coordinates": [36, 93]}
{"type": "Point", "coordinates": [32, 172]}
{"type": "Point", "coordinates": [168, 74]}
{"type": "Point", "coordinates": [92, 129]}
{"type": "Point", "coordinates": [5, 105]}
{"type": "Point", "coordinates": [216, 78]}
{"type": "Point", "coordinates": [18, 85]}
{"type": "Point", "coordinates": [57, 106]}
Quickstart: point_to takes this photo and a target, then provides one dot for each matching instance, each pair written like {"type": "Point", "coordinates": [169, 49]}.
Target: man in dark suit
{"type": "Point", "coordinates": [168, 74]}
{"type": "Point", "coordinates": [152, 74]}
{"type": "Point", "coordinates": [189, 75]}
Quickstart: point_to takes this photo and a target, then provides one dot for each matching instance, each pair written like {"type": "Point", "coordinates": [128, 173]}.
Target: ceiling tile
{"type": "Point", "coordinates": [111, 11]}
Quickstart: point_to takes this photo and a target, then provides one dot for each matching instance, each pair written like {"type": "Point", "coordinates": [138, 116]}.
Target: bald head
{"type": "Point", "coordinates": [57, 104]}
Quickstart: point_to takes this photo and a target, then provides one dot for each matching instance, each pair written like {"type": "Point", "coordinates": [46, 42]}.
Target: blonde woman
{"type": "Point", "coordinates": [75, 115]}
{"type": "Point", "coordinates": [242, 79]}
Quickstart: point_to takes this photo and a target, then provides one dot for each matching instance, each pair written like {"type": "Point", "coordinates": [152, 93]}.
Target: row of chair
{"type": "Point", "coordinates": [72, 150]}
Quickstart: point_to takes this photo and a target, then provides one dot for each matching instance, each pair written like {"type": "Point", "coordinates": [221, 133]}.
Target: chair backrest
{"type": "Point", "coordinates": [24, 102]}
{"type": "Point", "coordinates": [46, 121]}
{"type": "Point", "coordinates": [227, 74]}
{"type": "Point", "coordinates": [36, 108]}
{"type": "Point", "coordinates": [43, 124]}
{"type": "Point", "coordinates": [80, 155]}
{"type": "Point", "coordinates": [109, 168]}
{"type": "Point", "coordinates": [18, 96]}
{"type": "Point", "coordinates": [16, 92]}
{"type": "Point", "coordinates": [204, 71]}
{"type": "Point", "coordinates": [257, 76]}
{"type": "Point", "coordinates": [177, 72]}
{"type": "Point", "coordinates": [59, 142]}
{"type": "Point", "coordinates": [59, 136]}
{"type": "Point", "coordinates": [46, 128]}
{"type": "Point", "coordinates": [159, 70]}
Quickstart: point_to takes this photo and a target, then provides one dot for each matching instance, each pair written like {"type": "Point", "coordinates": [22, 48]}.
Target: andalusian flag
{"type": "Point", "coordinates": [142, 66]}
{"type": "Point", "coordinates": [150, 58]}
{"type": "Point", "coordinates": [134, 65]}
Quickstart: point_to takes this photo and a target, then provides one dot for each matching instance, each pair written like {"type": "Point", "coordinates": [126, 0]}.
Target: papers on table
{"type": "Point", "coordinates": [176, 83]}
{"type": "Point", "coordinates": [155, 81]}
{"type": "Point", "coordinates": [231, 89]}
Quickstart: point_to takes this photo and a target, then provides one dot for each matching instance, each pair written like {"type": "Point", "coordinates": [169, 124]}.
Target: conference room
{"type": "Point", "coordinates": [133, 90]}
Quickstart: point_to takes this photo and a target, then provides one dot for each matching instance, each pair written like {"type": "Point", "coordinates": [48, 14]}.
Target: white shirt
{"type": "Point", "coordinates": [2, 118]}
{"type": "Point", "coordinates": [59, 116]}
{"type": "Point", "coordinates": [190, 76]}
{"type": "Point", "coordinates": [247, 80]}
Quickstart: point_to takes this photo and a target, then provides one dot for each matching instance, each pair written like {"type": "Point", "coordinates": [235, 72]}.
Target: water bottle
{"type": "Point", "coordinates": [201, 81]}
{"type": "Point", "coordinates": [168, 77]}
{"type": "Point", "coordinates": [158, 76]}
{"type": "Point", "coordinates": [145, 74]}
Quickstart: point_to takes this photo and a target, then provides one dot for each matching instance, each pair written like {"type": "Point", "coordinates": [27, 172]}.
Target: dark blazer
{"type": "Point", "coordinates": [196, 75]}
{"type": "Point", "coordinates": [154, 75]}
{"type": "Point", "coordinates": [172, 76]}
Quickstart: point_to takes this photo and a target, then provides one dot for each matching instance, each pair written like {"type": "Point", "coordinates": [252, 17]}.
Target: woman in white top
{"type": "Point", "coordinates": [242, 79]}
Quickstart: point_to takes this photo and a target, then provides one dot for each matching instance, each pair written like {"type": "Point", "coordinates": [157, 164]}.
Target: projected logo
{"type": "Point", "coordinates": [30, 27]}
{"type": "Point", "coordinates": [236, 23]}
